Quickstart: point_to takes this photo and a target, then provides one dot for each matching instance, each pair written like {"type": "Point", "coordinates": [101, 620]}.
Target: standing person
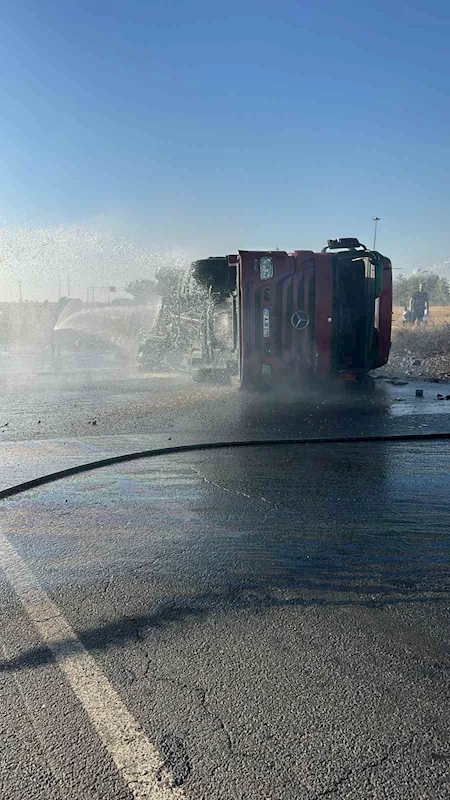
{"type": "Point", "coordinates": [419, 305]}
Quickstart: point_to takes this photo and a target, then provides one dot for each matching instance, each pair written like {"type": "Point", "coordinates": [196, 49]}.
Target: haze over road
{"type": "Point", "coordinates": [246, 623]}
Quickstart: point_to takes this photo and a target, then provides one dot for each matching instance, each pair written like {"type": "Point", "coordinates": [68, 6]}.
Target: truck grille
{"type": "Point", "coordinates": [295, 292]}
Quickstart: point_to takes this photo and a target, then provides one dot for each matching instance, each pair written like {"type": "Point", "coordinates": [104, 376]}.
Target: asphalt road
{"type": "Point", "coordinates": [243, 623]}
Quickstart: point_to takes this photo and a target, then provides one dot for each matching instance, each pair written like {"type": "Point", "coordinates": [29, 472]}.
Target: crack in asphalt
{"type": "Point", "coordinates": [217, 718]}
{"type": "Point", "coordinates": [227, 490]}
{"type": "Point", "coordinates": [202, 696]}
{"type": "Point", "coordinates": [273, 507]}
{"type": "Point", "coordinates": [176, 766]}
{"type": "Point", "coordinates": [103, 588]}
{"type": "Point", "coordinates": [368, 768]}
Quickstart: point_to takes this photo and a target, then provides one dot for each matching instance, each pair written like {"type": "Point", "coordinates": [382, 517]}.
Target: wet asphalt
{"type": "Point", "coordinates": [276, 619]}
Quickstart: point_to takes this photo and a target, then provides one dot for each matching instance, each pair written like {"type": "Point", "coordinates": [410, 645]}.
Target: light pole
{"type": "Point", "coordinates": [376, 221]}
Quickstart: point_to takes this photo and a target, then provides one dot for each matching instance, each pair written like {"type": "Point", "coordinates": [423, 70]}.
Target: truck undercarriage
{"type": "Point", "coordinates": [195, 328]}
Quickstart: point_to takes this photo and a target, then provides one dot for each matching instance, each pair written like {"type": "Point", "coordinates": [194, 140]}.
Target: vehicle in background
{"type": "Point", "coordinates": [270, 317]}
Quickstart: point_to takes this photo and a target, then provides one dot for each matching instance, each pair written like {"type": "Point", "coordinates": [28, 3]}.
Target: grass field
{"type": "Point", "coordinates": [438, 315]}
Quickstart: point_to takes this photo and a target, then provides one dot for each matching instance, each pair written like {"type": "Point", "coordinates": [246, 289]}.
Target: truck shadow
{"type": "Point", "coordinates": [173, 613]}
{"type": "Point", "coordinates": [354, 409]}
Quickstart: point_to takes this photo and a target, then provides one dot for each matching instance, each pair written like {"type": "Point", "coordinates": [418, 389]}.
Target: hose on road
{"type": "Point", "coordinates": [192, 448]}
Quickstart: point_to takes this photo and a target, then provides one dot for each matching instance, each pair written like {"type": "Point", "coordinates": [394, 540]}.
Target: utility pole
{"type": "Point", "coordinates": [68, 286]}
{"type": "Point", "coordinates": [59, 287]}
{"type": "Point", "coordinates": [376, 221]}
{"type": "Point", "coordinates": [20, 291]}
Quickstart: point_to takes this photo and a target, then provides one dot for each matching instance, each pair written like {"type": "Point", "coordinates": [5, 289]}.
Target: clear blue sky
{"type": "Point", "coordinates": [206, 126]}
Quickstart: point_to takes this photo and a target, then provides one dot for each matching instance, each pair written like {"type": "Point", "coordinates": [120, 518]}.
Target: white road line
{"type": "Point", "coordinates": [138, 761]}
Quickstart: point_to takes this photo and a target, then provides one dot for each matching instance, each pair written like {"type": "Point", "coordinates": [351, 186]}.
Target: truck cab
{"type": "Point", "coordinates": [305, 314]}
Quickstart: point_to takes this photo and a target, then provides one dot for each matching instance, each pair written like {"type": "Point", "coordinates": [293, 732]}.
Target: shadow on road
{"type": "Point", "coordinates": [173, 612]}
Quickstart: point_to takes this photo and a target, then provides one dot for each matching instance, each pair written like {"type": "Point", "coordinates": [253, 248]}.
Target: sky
{"type": "Point", "coordinates": [136, 132]}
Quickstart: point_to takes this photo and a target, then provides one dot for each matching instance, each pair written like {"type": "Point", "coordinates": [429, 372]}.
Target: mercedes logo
{"type": "Point", "coordinates": [299, 320]}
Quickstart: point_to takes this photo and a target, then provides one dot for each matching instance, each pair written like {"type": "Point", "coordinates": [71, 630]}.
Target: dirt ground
{"type": "Point", "coordinates": [421, 350]}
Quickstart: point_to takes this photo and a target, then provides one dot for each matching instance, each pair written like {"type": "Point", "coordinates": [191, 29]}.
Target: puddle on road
{"type": "Point", "coordinates": [329, 518]}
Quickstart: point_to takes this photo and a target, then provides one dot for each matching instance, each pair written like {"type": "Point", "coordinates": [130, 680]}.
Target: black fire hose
{"type": "Point", "coordinates": [192, 448]}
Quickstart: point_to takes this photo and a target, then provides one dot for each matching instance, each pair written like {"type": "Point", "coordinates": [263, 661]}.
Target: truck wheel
{"type": "Point", "coordinates": [212, 375]}
{"type": "Point", "coordinates": [215, 274]}
{"type": "Point", "coordinates": [152, 358]}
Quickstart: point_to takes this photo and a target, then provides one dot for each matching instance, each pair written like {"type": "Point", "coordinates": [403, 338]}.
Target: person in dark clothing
{"type": "Point", "coordinates": [419, 305]}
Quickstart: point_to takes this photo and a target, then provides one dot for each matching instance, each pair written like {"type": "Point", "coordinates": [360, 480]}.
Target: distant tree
{"type": "Point", "coordinates": [122, 301]}
{"type": "Point", "coordinates": [142, 290]}
{"type": "Point", "coordinates": [62, 302]}
{"type": "Point", "coordinates": [437, 286]}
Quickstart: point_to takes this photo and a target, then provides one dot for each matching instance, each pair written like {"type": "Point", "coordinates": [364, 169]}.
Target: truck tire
{"type": "Point", "coordinates": [215, 274]}
{"type": "Point", "coordinates": [212, 375]}
{"type": "Point", "coordinates": [152, 359]}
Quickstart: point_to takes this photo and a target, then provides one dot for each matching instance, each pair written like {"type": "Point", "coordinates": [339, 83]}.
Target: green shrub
{"type": "Point", "coordinates": [437, 286]}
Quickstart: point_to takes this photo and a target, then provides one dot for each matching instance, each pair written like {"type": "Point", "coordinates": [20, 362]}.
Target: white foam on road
{"type": "Point", "coordinates": [136, 758]}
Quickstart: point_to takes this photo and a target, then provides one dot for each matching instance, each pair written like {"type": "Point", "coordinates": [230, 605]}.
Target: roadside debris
{"type": "Point", "coordinates": [419, 392]}
{"type": "Point", "coordinates": [398, 382]}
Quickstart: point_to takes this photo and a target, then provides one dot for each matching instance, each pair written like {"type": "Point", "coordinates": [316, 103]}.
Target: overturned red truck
{"type": "Point", "coordinates": [272, 317]}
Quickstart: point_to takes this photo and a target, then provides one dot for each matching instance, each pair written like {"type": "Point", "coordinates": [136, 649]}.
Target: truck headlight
{"type": "Point", "coordinates": [265, 268]}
